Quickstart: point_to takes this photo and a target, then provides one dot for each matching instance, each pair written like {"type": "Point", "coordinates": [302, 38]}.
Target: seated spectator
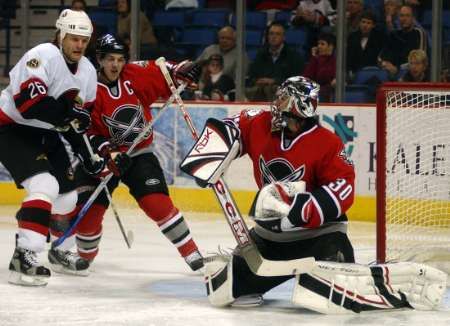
{"type": "Point", "coordinates": [274, 63]}
{"type": "Point", "coordinates": [315, 13]}
{"type": "Point", "coordinates": [391, 9]}
{"type": "Point", "coordinates": [417, 70]}
{"type": "Point", "coordinates": [215, 85]}
{"type": "Point", "coordinates": [401, 41]}
{"type": "Point", "coordinates": [354, 11]}
{"type": "Point", "coordinates": [271, 7]}
{"type": "Point", "coordinates": [364, 45]}
{"type": "Point", "coordinates": [227, 49]}
{"type": "Point", "coordinates": [181, 4]}
{"type": "Point", "coordinates": [124, 25]}
{"type": "Point", "coordinates": [322, 66]}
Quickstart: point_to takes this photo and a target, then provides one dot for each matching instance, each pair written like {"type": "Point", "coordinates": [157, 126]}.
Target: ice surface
{"type": "Point", "coordinates": [151, 285]}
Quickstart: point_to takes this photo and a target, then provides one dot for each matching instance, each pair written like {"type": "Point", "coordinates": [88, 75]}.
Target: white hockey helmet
{"type": "Point", "coordinates": [74, 22]}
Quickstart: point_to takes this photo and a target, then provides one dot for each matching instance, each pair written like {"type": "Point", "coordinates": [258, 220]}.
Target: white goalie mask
{"type": "Point", "coordinates": [74, 22]}
{"type": "Point", "coordinates": [296, 97]}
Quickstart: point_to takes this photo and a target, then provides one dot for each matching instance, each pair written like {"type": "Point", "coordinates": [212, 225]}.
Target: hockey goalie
{"type": "Point", "coordinates": [306, 185]}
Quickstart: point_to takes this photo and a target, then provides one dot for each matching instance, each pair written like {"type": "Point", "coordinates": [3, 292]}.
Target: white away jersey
{"type": "Point", "coordinates": [41, 72]}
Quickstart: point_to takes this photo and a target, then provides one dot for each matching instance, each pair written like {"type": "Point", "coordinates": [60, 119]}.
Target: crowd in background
{"type": "Point", "coordinates": [389, 38]}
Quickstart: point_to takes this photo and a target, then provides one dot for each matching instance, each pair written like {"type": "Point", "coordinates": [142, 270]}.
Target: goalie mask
{"type": "Point", "coordinates": [297, 97]}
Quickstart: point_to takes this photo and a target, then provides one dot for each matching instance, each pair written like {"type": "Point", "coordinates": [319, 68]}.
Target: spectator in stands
{"type": "Point", "coordinates": [322, 66]}
{"type": "Point", "coordinates": [215, 85]}
{"type": "Point", "coordinates": [354, 11]}
{"type": "Point", "coordinates": [401, 41]}
{"type": "Point", "coordinates": [124, 25]}
{"type": "Point", "coordinates": [314, 13]}
{"type": "Point", "coordinates": [417, 70]}
{"type": "Point", "coordinates": [79, 5]}
{"type": "Point", "coordinates": [271, 7]}
{"type": "Point", "coordinates": [181, 4]}
{"type": "Point", "coordinates": [227, 49]}
{"type": "Point", "coordinates": [391, 9]}
{"type": "Point", "coordinates": [274, 63]}
{"type": "Point", "coordinates": [364, 45]}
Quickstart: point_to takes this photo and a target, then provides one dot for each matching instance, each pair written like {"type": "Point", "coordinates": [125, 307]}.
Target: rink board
{"type": "Point", "coordinates": [354, 124]}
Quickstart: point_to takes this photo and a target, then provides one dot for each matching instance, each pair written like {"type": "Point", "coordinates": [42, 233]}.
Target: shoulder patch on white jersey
{"type": "Point", "coordinates": [33, 63]}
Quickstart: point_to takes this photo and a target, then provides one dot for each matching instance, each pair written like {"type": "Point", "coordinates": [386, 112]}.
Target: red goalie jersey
{"type": "Point", "coordinates": [316, 156]}
{"type": "Point", "coordinates": [122, 110]}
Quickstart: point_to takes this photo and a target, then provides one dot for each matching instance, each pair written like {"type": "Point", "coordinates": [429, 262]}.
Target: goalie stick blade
{"type": "Point", "coordinates": [266, 267]}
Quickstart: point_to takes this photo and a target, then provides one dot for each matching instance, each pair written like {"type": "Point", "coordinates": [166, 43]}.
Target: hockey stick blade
{"type": "Point", "coordinates": [258, 264]}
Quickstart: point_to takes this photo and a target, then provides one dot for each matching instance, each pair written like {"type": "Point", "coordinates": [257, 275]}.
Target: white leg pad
{"type": "Point", "coordinates": [219, 280]}
{"type": "Point", "coordinates": [336, 288]}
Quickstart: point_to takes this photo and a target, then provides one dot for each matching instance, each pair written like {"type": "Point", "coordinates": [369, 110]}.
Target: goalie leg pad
{"type": "Point", "coordinates": [335, 288]}
{"type": "Point", "coordinates": [213, 152]}
{"type": "Point", "coordinates": [219, 280]}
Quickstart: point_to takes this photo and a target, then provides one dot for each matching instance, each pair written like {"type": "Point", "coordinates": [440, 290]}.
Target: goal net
{"type": "Point", "coordinates": [413, 173]}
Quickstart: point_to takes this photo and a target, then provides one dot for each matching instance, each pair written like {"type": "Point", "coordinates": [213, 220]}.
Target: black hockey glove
{"type": "Point", "coordinates": [185, 72]}
{"type": "Point", "coordinates": [79, 118]}
{"type": "Point", "coordinates": [80, 149]}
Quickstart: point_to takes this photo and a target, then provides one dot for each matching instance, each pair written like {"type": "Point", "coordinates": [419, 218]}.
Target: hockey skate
{"type": "Point", "coordinates": [26, 270]}
{"type": "Point", "coordinates": [67, 262]}
{"type": "Point", "coordinates": [194, 260]}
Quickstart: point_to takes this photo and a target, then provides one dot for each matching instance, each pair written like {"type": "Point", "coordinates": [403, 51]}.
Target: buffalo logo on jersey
{"type": "Point", "coordinates": [279, 169]}
{"type": "Point", "coordinates": [33, 63]}
{"type": "Point", "coordinates": [126, 122]}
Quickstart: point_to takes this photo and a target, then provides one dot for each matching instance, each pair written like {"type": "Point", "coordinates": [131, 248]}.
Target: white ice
{"type": "Point", "coordinates": [151, 285]}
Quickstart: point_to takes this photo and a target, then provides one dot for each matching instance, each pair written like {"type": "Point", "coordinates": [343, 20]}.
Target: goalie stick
{"type": "Point", "coordinates": [106, 179]}
{"type": "Point", "coordinates": [257, 263]}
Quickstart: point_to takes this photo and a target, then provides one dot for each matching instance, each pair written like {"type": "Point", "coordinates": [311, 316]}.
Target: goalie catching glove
{"type": "Point", "coordinates": [213, 152]}
{"type": "Point", "coordinates": [285, 206]}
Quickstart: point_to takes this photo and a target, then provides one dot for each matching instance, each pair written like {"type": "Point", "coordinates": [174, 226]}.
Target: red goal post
{"type": "Point", "coordinates": [413, 172]}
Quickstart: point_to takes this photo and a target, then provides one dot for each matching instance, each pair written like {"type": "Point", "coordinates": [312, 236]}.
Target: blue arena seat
{"type": "Point", "coordinates": [283, 16]}
{"type": "Point", "coordinates": [212, 18]}
{"type": "Point", "coordinates": [357, 94]}
{"type": "Point", "coordinates": [104, 20]}
{"type": "Point", "coordinates": [253, 19]}
{"type": "Point", "coordinates": [202, 36]}
{"type": "Point", "coordinates": [254, 37]}
{"type": "Point", "coordinates": [296, 37]}
{"type": "Point", "coordinates": [371, 76]}
{"type": "Point", "coordinates": [168, 18]}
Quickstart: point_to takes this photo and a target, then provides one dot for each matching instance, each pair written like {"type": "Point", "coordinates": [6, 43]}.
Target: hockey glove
{"type": "Point", "coordinates": [116, 162]}
{"type": "Point", "coordinates": [79, 118]}
{"type": "Point", "coordinates": [185, 72]}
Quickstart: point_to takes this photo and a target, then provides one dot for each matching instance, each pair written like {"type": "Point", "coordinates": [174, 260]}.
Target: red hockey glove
{"type": "Point", "coordinates": [185, 72]}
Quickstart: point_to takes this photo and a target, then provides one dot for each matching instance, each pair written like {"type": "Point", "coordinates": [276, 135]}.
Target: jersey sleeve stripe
{"type": "Point", "coordinates": [30, 94]}
{"type": "Point", "coordinates": [331, 209]}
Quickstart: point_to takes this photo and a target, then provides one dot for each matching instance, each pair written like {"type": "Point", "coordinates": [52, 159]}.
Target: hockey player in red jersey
{"type": "Point", "coordinates": [124, 95]}
{"type": "Point", "coordinates": [44, 109]}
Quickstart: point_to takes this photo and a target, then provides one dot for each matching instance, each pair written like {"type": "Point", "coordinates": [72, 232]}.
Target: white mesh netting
{"type": "Point", "coordinates": [418, 175]}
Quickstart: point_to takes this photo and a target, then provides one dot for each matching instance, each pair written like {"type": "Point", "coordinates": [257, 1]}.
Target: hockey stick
{"type": "Point", "coordinates": [128, 236]}
{"type": "Point", "coordinates": [104, 182]}
{"type": "Point", "coordinates": [248, 250]}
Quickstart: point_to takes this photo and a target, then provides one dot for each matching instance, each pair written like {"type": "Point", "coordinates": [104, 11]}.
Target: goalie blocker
{"type": "Point", "coordinates": [212, 153]}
